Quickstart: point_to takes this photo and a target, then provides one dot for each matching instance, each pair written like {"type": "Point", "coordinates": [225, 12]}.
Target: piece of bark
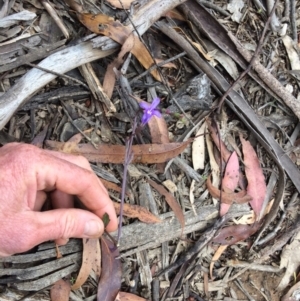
{"type": "Point", "coordinates": [95, 86]}
{"type": "Point", "coordinates": [34, 55]}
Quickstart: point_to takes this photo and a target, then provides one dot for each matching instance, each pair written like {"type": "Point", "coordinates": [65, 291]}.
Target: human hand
{"type": "Point", "coordinates": [27, 174]}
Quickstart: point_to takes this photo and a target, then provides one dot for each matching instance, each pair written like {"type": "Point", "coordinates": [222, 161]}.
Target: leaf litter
{"type": "Point", "coordinates": [152, 148]}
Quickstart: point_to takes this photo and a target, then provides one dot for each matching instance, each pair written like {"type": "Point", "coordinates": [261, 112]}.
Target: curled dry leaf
{"type": "Point", "coordinates": [256, 181]}
{"type": "Point", "coordinates": [146, 153]}
{"type": "Point", "coordinates": [90, 257]}
{"type": "Point", "coordinates": [111, 275]}
{"type": "Point", "coordinates": [105, 25]}
{"type": "Point", "coordinates": [216, 257]}
{"type": "Point", "coordinates": [227, 196]}
{"type": "Point", "coordinates": [233, 234]}
{"type": "Point", "coordinates": [171, 202]}
{"type": "Point", "coordinates": [136, 211]}
{"type": "Point", "coordinates": [60, 291]}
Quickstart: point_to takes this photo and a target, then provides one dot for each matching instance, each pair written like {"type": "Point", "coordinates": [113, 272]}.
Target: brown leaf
{"type": "Point", "coordinates": [171, 202]}
{"type": "Point", "coordinates": [89, 257]}
{"type": "Point", "coordinates": [231, 179]}
{"type": "Point", "coordinates": [60, 291]}
{"type": "Point", "coordinates": [110, 77]}
{"type": "Point", "coordinates": [232, 234]}
{"type": "Point", "coordinates": [146, 153]}
{"type": "Point", "coordinates": [231, 175]}
{"type": "Point", "coordinates": [228, 197]}
{"type": "Point", "coordinates": [256, 181]}
{"type": "Point", "coordinates": [110, 185]}
{"type": "Point", "coordinates": [122, 296]}
{"type": "Point", "coordinates": [111, 276]}
{"type": "Point", "coordinates": [117, 3]}
{"type": "Point", "coordinates": [175, 14]}
{"type": "Point", "coordinates": [136, 211]}
{"type": "Point", "coordinates": [216, 257]}
{"type": "Point", "coordinates": [102, 24]}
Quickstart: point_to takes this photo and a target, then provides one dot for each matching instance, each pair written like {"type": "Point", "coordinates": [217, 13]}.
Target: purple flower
{"type": "Point", "coordinates": [150, 110]}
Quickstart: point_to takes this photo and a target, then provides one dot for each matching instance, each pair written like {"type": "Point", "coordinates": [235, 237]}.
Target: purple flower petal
{"type": "Point", "coordinates": [156, 113]}
{"type": "Point", "coordinates": [145, 106]}
{"type": "Point", "coordinates": [155, 103]}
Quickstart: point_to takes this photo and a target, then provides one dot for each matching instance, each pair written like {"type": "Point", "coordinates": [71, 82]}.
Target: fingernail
{"type": "Point", "coordinates": [93, 228]}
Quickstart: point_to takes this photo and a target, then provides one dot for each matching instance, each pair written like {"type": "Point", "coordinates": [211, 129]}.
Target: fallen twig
{"type": "Point", "coordinates": [269, 79]}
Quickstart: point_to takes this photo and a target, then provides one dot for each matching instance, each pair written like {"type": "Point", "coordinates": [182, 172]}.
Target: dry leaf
{"type": "Point", "coordinates": [111, 276]}
{"type": "Point", "coordinates": [292, 52]}
{"type": "Point", "coordinates": [123, 4]}
{"type": "Point", "coordinates": [192, 197]}
{"type": "Point", "coordinates": [230, 180]}
{"type": "Point", "coordinates": [89, 257]}
{"type": "Point", "coordinates": [110, 77]}
{"type": "Point", "coordinates": [290, 260]}
{"type": "Point", "coordinates": [256, 181]}
{"type": "Point", "coordinates": [228, 197]}
{"type": "Point", "coordinates": [110, 185]}
{"type": "Point", "coordinates": [122, 296]}
{"type": "Point", "coordinates": [146, 153]}
{"type": "Point", "coordinates": [233, 234]}
{"type": "Point", "coordinates": [60, 291]}
{"type": "Point", "coordinates": [105, 25]}
{"type": "Point", "coordinates": [171, 202]}
{"type": "Point", "coordinates": [175, 14]}
{"type": "Point", "coordinates": [136, 211]}
{"type": "Point", "coordinates": [198, 148]}
{"type": "Point", "coordinates": [216, 257]}
{"type": "Point", "coordinates": [170, 186]}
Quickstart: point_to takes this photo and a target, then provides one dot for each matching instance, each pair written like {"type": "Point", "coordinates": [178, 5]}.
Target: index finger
{"type": "Point", "coordinates": [64, 172]}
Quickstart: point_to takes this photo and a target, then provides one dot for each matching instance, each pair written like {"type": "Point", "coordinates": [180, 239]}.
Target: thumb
{"type": "Point", "coordinates": [26, 230]}
{"type": "Point", "coordinates": [63, 224]}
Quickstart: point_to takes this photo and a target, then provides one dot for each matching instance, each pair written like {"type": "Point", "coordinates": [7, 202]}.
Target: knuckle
{"type": "Point", "coordinates": [68, 225]}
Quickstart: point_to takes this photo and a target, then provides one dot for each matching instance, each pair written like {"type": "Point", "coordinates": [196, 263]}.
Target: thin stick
{"type": "Point", "coordinates": [257, 51]}
{"type": "Point", "coordinates": [127, 161]}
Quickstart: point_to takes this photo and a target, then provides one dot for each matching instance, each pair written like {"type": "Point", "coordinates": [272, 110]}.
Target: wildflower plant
{"type": "Point", "coordinates": [149, 110]}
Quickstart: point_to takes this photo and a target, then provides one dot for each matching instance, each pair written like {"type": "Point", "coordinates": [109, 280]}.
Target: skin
{"type": "Point", "coordinates": [27, 176]}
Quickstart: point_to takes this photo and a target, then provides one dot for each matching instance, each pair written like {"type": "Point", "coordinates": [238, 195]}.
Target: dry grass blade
{"type": "Point", "coordinates": [171, 202]}
{"type": "Point", "coordinates": [110, 281]}
{"type": "Point", "coordinates": [89, 257]}
{"type": "Point", "coordinates": [146, 153]}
